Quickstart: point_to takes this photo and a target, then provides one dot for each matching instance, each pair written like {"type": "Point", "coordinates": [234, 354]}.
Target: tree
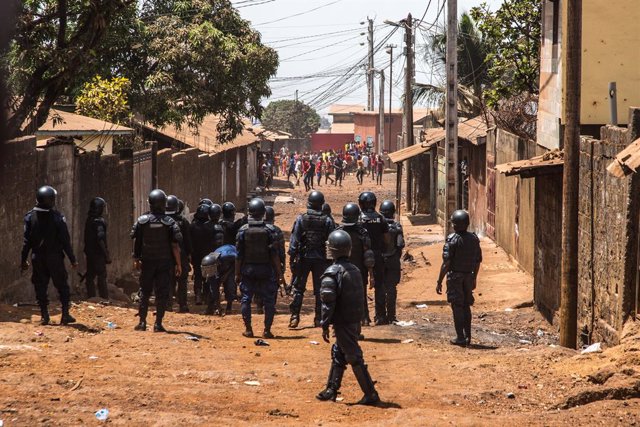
{"type": "Point", "coordinates": [105, 99]}
{"type": "Point", "coordinates": [185, 59]}
{"type": "Point", "coordinates": [291, 116]}
{"type": "Point", "coordinates": [513, 33]}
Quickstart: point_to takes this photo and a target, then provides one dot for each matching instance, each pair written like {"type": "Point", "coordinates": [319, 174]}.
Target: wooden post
{"type": "Point", "coordinates": [398, 188]}
{"type": "Point", "coordinates": [408, 105]}
{"type": "Point", "coordinates": [572, 80]}
{"type": "Point", "coordinates": [452, 187]}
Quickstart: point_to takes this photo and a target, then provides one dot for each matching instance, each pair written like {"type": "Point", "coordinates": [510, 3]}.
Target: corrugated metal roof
{"type": "Point", "coordinates": [411, 151]}
{"type": "Point", "coordinates": [534, 166]}
{"type": "Point", "coordinates": [345, 108]}
{"type": "Point", "coordinates": [62, 123]}
{"type": "Point", "coordinates": [343, 128]}
{"type": "Point", "coordinates": [627, 161]}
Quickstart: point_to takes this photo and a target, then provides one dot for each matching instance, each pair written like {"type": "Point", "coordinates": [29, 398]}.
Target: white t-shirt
{"type": "Point", "coordinates": [298, 166]}
{"type": "Point", "coordinates": [365, 161]}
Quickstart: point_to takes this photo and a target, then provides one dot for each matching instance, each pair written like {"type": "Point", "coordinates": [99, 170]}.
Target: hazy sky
{"type": "Point", "coordinates": [305, 48]}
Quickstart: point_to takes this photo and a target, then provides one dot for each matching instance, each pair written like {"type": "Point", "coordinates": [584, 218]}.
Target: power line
{"type": "Point", "coordinates": [300, 13]}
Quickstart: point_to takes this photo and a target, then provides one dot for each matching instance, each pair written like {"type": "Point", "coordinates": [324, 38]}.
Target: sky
{"type": "Point", "coordinates": [318, 42]}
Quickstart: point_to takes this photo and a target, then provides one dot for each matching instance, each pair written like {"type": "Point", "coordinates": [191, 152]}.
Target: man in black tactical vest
{"type": "Point", "coordinates": [155, 251]}
{"type": "Point", "coordinates": [179, 282]}
{"type": "Point", "coordinates": [307, 243]}
{"type": "Point", "coordinates": [96, 250]}
{"type": "Point", "coordinates": [212, 299]}
{"type": "Point", "coordinates": [342, 294]}
{"type": "Point", "coordinates": [202, 242]}
{"type": "Point", "coordinates": [257, 267]}
{"type": "Point", "coordinates": [269, 219]}
{"type": "Point", "coordinates": [361, 254]}
{"type": "Point", "coordinates": [461, 259]}
{"type": "Point", "coordinates": [228, 223]}
{"type": "Point", "coordinates": [46, 236]}
{"type": "Point", "coordinates": [393, 246]}
{"type": "Point", "coordinates": [377, 227]}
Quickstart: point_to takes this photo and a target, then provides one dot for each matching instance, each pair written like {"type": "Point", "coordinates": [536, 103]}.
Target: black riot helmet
{"type": "Point", "coordinates": [350, 214]}
{"type": "Point", "coordinates": [209, 264]}
{"type": "Point", "coordinates": [172, 205]}
{"type": "Point", "coordinates": [96, 206]}
{"type": "Point", "coordinates": [46, 197]}
{"type": "Point", "coordinates": [326, 209]}
{"type": "Point", "coordinates": [315, 200]}
{"type": "Point", "coordinates": [367, 201]}
{"type": "Point", "coordinates": [460, 220]}
{"type": "Point", "coordinates": [269, 215]}
{"type": "Point", "coordinates": [202, 213]}
{"type": "Point", "coordinates": [180, 207]}
{"type": "Point", "coordinates": [229, 211]}
{"type": "Point", "coordinates": [388, 209]}
{"type": "Point", "coordinates": [205, 201]}
{"type": "Point", "coordinates": [257, 209]}
{"type": "Point", "coordinates": [157, 201]}
{"type": "Point", "coordinates": [214, 212]}
{"type": "Point", "coordinates": [338, 244]}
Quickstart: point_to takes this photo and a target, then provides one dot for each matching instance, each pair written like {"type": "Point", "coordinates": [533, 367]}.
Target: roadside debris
{"type": "Point", "coordinates": [252, 383]}
{"type": "Point", "coordinates": [407, 341]}
{"type": "Point", "coordinates": [192, 338]}
{"type": "Point", "coordinates": [405, 323]}
{"type": "Point", "coordinates": [421, 305]}
{"type": "Point", "coordinates": [102, 414]}
{"type": "Point", "coordinates": [593, 348]}
{"type": "Point", "coordinates": [261, 342]}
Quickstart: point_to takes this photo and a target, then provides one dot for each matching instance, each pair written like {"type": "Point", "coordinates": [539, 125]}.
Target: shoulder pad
{"type": "Point", "coordinates": [167, 220]}
{"type": "Point", "coordinates": [451, 237]}
{"type": "Point", "coordinates": [333, 270]}
{"type": "Point", "coordinates": [144, 219]}
{"type": "Point", "coordinates": [244, 227]}
{"type": "Point", "coordinates": [271, 227]}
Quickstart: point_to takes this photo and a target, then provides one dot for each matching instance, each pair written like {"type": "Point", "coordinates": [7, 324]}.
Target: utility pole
{"type": "Point", "coordinates": [390, 52]}
{"type": "Point", "coordinates": [452, 187]}
{"type": "Point", "coordinates": [370, 76]}
{"type": "Point", "coordinates": [381, 114]}
{"type": "Point", "coordinates": [572, 80]}
{"type": "Point", "coordinates": [408, 104]}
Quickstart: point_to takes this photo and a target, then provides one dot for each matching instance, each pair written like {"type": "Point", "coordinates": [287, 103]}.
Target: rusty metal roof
{"type": "Point", "coordinates": [62, 123]}
{"type": "Point", "coordinates": [627, 161]}
{"type": "Point", "coordinates": [411, 151]}
{"type": "Point", "coordinates": [549, 162]}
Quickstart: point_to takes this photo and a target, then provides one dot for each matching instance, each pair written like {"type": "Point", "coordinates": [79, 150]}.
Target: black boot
{"type": "Point", "coordinates": [391, 306]}
{"type": "Point", "coordinates": [157, 327]}
{"type": "Point", "coordinates": [294, 322]}
{"type": "Point", "coordinates": [142, 326]}
{"type": "Point", "coordinates": [44, 315]}
{"type": "Point", "coordinates": [228, 310]}
{"type": "Point", "coordinates": [142, 314]}
{"type": "Point", "coordinates": [366, 384]}
{"type": "Point", "coordinates": [248, 330]}
{"type": "Point", "coordinates": [333, 384]}
{"type": "Point", "coordinates": [459, 324]}
{"type": "Point", "coordinates": [66, 317]}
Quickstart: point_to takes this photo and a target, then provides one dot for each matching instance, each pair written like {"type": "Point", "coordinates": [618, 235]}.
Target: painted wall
{"type": "Point", "coordinates": [330, 141]}
{"type": "Point", "coordinates": [367, 125]}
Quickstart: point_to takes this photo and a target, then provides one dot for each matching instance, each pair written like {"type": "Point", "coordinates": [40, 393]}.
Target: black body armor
{"type": "Point", "coordinates": [314, 231]}
{"type": "Point", "coordinates": [462, 250]}
{"type": "Point", "coordinates": [256, 243]}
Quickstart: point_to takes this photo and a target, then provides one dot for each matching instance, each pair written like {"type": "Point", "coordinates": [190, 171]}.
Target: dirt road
{"type": "Point", "coordinates": [204, 372]}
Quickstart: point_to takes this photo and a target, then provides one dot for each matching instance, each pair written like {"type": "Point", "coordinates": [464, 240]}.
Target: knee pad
{"type": "Point", "coordinates": [337, 356]}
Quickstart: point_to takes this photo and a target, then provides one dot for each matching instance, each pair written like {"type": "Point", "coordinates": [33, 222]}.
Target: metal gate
{"type": "Point", "coordinates": [142, 180]}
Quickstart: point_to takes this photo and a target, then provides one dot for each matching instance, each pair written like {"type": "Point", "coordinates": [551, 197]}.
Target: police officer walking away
{"type": "Point", "coordinates": [342, 294]}
{"type": "Point", "coordinates": [228, 223]}
{"type": "Point", "coordinates": [377, 227]}
{"type": "Point", "coordinates": [361, 254]}
{"type": "Point", "coordinates": [96, 250]}
{"type": "Point", "coordinates": [156, 250]}
{"type": "Point", "coordinates": [461, 258]}
{"type": "Point", "coordinates": [257, 267]}
{"type": "Point", "coordinates": [47, 238]}
{"type": "Point", "coordinates": [179, 281]}
{"type": "Point", "coordinates": [269, 219]}
{"type": "Point", "coordinates": [393, 246]}
{"type": "Point", "coordinates": [307, 243]}
{"type": "Point", "coordinates": [202, 242]}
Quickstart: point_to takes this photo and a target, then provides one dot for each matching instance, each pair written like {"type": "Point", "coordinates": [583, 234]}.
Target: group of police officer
{"type": "Point", "coordinates": [249, 253]}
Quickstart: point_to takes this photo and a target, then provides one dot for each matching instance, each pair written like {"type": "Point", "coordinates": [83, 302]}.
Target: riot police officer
{"type": "Point", "coordinates": [179, 282]}
{"type": "Point", "coordinates": [377, 227]}
{"type": "Point", "coordinates": [96, 250]}
{"type": "Point", "coordinates": [228, 223]}
{"type": "Point", "coordinates": [155, 251]}
{"type": "Point", "coordinates": [361, 254]}
{"type": "Point", "coordinates": [47, 238]}
{"type": "Point", "coordinates": [257, 267]}
{"type": "Point", "coordinates": [342, 294]}
{"type": "Point", "coordinates": [221, 265]}
{"type": "Point", "coordinates": [461, 259]}
{"type": "Point", "coordinates": [202, 242]}
{"type": "Point", "coordinates": [393, 246]}
{"type": "Point", "coordinates": [307, 244]}
{"type": "Point", "coordinates": [269, 219]}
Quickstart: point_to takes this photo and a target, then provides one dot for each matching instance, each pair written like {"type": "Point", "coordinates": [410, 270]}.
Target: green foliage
{"type": "Point", "coordinates": [290, 116]}
{"type": "Point", "coordinates": [513, 33]}
{"type": "Point", "coordinates": [105, 99]}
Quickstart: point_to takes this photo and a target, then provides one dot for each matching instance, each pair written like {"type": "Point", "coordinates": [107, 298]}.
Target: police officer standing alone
{"type": "Point", "coordinates": [257, 267]}
{"type": "Point", "coordinates": [393, 246]}
{"type": "Point", "coordinates": [179, 281]}
{"type": "Point", "coordinates": [155, 251]}
{"type": "Point", "coordinates": [307, 243]}
{"type": "Point", "coordinates": [342, 294]}
{"type": "Point", "coordinates": [95, 249]}
{"type": "Point", "coordinates": [461, 258]}
{"type": "Point", "coordinates": [47, 238]}
{"type": "Point", "coordinates": [377, 227]}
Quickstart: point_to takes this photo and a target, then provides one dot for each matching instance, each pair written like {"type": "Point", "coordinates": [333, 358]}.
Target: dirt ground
{"type": "Point", "coordinates": [514, 373]}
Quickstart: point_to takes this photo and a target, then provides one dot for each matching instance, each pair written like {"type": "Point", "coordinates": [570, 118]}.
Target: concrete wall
{"type": "Point", "coordinates": [330, 141]}
{"type": "Point", "coordinates": [608, 237]}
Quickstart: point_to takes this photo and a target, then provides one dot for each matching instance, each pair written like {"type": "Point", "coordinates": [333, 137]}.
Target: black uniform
{"type": "Point", "coordinates": [206, 237]}
{"type": "Point", "coordinates": [342, 294]}
{"type": "Point", "coordinates": [230, 229]}
{"type": "Point", "coordinates": [361, 256]}
{"type": "Point", "coordinates": [393, 245]}
{"type": "Point", "coordinates": [96, 250]}
{"type": "Point", "coordinates": [310, 232]}
{"type": "Point", "coordinates": [377, 227]}
{"type": "Point", "coordinates": [179, 284]}
{"type": "Point", "coordinates": [47, 238]}
{"type": "Point", "coordinates": [278, 236]}
{"type": "Point", "coordinates": [154, 235]}
{"type": "Point", "coordinates": [462, 252]}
